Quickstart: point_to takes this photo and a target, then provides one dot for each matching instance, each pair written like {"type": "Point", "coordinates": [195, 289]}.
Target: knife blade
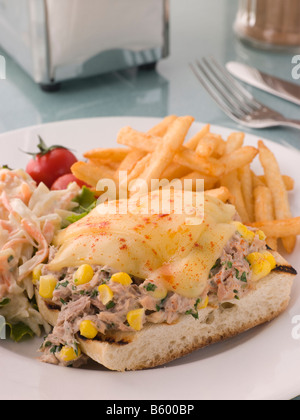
{"type": "Point", "coordinates": [271, 84]}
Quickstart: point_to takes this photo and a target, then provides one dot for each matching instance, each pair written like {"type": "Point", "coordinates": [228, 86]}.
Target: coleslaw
{"type": "Point", "coordinates": [30, 216]}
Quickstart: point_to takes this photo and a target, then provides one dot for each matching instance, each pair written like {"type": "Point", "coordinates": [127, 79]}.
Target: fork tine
{"type": "Point", "coordinates": [215, 97]}
{"type": "Point", "coordinates": [222, 92]}
{"type": "Point", "coordinates": [236, 87]}
{"type": "Point", "coordinates": [235, 99]}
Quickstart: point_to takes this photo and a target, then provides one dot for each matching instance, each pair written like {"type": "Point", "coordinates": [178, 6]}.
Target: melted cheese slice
{"type": "Point", "coordinates": [175, 249]}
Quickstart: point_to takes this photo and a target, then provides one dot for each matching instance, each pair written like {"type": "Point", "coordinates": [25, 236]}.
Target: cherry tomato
{"type": "Point", "coordinates": [50, 163]}
{"type": "Point", "coordinates": [63, 181]}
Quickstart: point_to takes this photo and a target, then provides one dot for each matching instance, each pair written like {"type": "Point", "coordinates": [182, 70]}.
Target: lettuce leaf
{"type": "Point", "coordinates": [19, 331]}
{"type": "Point", "coordinates": [86, 203]}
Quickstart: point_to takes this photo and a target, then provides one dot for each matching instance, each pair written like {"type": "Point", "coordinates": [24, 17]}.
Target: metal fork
{"type": "Point", "coordinates": [234, 99]}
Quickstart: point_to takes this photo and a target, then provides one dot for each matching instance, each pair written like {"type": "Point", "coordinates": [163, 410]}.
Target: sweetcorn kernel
{"type": "Point", "coordinates": [105, 294]}
{"type": "Point", "coordinates": [247, 234]}
{"type": "Point", "coordinates": [261, 235]}
{"type": "Point", "coordinates": [84, 274]}
{"type": "Point", "coordinates": [261, 264]}
{"type": "Point", "coordinates": [203, 305]}
{"type": "Point", "coordinates": [270, 258]}
{"type": "Point", "coordinates": [88, 329]}
{"type": "Point", "coordinates": [36, 274]}
{"type": "Point", "coordinates": [68, 354]}
{"type": "Point", "coordinates": [122, 278]}
{"type": "Point", "coordinates": [135, 318]}
{"type": "Point", "coordinates": [47, 286]}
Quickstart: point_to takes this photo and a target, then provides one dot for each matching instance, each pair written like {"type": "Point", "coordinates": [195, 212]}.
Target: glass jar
{"type": "Point", "coordinates": [269, 23]}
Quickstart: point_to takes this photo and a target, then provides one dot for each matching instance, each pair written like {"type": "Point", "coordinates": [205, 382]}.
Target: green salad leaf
{"type": "Point", "coordinates": [86, 203]}
{"type": "Point", "coordinates": [19, 331]}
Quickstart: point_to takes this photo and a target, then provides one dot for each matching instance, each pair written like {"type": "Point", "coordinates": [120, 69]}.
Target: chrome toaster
{"type": "Point", "coordinates": [57, 40]}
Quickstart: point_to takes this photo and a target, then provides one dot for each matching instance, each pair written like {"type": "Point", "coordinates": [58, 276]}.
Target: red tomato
{"type": "Point", "coordinates": [63, 181]}
{"type": "Point", "coordinates": [50, 163]}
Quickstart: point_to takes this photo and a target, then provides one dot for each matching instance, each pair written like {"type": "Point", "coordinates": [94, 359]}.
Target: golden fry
{"type": "Point", "coordinates": [114, 154]}
{"type": "Point", "coordinates": [207, 146]}
{"type": "Point", "coordinates": [239, 158]}
{"type": "Point", "coordinates": [138, 140]}
{"type": "Point", "coordinates": [279, 228]}
{"type": "Point", "coordinates": [131, 160]}
{"type": "Point", "coordinates": [175, 171]}
{"type": "Point", "coordinates": [165, 151]}
{"type": "Point", "coordinates": [232, 182]}
{"type": "Point", "coordinates": [207, 166]}
{"type": "Point", "coordinates": [245, 177]}
{"type": "Point", "coordinates": [234, 142]}
{"type": "Point", "coordinates": [184, 156]}
{"type": "Point", "coordinates": [222, 194]}
{"type": "Point", "coordinates": [289, 182]}
{"type": "Point", "coordinates": [91, 173]}
{"type": "Point", "coordinates": [263, 209]}
{"type": "Point", "coordinates": [162, 127]}
{"type": "Point", "coordinates": [277, 187]}
{"type": "Point", "coordinates": [194, 141]}
{"type": "Point", "coordinates": [209, 182]}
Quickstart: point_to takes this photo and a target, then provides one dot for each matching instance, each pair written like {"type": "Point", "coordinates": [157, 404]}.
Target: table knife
{"type": "Point", "coordinates": [278, 87]}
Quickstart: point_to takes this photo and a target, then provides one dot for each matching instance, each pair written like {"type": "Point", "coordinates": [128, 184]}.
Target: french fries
{"type": "Point", "coordinates": [245, 177]}
{"type": "Point", "coordinates": [233, 184]}
{"type": "Point", "coordinates": [113, 154]}
{"type": "Point", "coordinates": [280, 228]}
{"type": "Point", "coordinates": [264, 210]}
{"type": "Point", "coordinates": [90, 173]}
{"type": "Point", "coordinates": [239, 158]}
{"type": "Point", "coordinates": [222, 194]}
{"type": "Point", "coordinates": [166, 149]}
{"type": "Point", "coordinates": [165, 152]}
{"type": "Point", "coordinates": [277, 187]}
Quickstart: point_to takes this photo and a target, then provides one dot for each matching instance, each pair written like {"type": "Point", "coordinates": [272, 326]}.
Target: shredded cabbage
{"type": "Point", "coordinates": [30, 216]}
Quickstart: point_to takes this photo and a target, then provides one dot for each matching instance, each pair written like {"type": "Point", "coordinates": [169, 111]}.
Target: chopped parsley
{"type": "Point", "coordinates": [76, 349]}
{"type": "Point", "coordinates": [64, 284]}
{"type": "Point", "coordinates": [244, 277]}
{"type": "Point", "coordinates": [236, 294]}
{"type": "Point", "coordinates": [94, 293]}
{"type": "Point", "coordinates": [150, 287]}
{"type": "Point", "coordinates": [55, 349]}
{"type": "Point", "coordinates": [194, 314]}
{"type": "Point", "coordinates": [197, 303]}
{"type": "Point", "coordinates": [217, 264]}
{"type": "Point", "coordinates": [110, 304]}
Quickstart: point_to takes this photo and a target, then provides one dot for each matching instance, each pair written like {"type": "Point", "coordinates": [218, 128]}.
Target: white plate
{"type": "Point", "coordinates": [263, 363]}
